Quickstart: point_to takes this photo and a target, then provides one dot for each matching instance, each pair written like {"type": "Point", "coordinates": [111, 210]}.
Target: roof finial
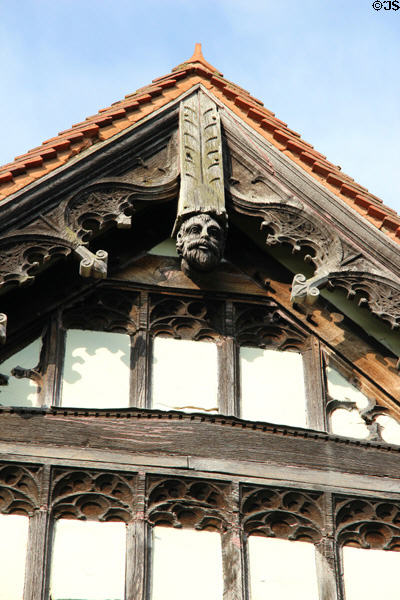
{"type": "Point", "coordinates": [198, 57]}
{"type": "Point", "coordinates": [197, 54]}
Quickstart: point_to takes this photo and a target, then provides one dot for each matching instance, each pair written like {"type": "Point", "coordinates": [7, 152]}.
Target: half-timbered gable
{"type": "Point", "coordinates": [199, 381]}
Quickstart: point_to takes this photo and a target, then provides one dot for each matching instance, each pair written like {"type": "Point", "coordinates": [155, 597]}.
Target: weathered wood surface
{"type": "Point", "coordinates": [202, 180]}
{"type": "Point", "coordinates": [184, 441]}
{"type": "Point", "coordinates": [166, 273]}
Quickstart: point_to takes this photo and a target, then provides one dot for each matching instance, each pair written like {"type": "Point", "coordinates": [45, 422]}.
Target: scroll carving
{"type": "Point", "coordinates": [19, 489]}
{"type": "Point", "coordinates": [92, 265]}
{"type": "Point", "coordinates": [368, 523]}
{"type": "Point", "coordinates": [93, 495]}
{"type": "Point", "coordinates": [287, 514]}
{"type": "Point", "coordinates": [187, 503]}
{"type": "Point", "coordinates": [188, 318]}
{"type": "Point", "coordinates": [266, 326]}
{"type": "Point", "coordinates": [104, 310]}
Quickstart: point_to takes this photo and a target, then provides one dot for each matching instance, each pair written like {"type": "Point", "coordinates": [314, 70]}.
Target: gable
{"type": "Point", "coordinates": [255, 394]}
{"type": "Point", "coordinates": [290, 238]}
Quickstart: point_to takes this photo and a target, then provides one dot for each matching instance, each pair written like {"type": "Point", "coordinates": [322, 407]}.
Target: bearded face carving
{"type": "Point", "coordinates": [200, 242]}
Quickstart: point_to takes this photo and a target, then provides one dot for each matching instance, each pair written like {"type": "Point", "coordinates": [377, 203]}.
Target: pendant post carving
{"type": "Point", "coordinates": [201, 223]}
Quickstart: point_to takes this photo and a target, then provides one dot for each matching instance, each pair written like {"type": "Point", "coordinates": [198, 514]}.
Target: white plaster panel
{"type": "Point", "coordinates": [272, 386]}
{"type": "Point", "coordinates": [96, 369]}
{"type": "Point", "coordinates": [186, 564]}
{"type": "Point", "coordinates": [13, 547]}
{"type": "Point", "coordinates": [371, 574]}
{"type": "Point", "coordinates": [281, 569]}
{"type": "Point", "coordinates": [88, 561]}
{"type": "Point", "coordinates": [184, 375]}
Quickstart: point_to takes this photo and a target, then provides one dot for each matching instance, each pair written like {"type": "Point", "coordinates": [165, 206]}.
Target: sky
{"type": "Point", "coordinates": [328, 68]}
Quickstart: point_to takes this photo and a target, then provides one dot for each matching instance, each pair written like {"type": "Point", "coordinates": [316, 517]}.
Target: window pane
{"type": "Point", "coordinates": [272, 386]}
{"type": "Point", "coordinates": [96, 369]}
{"type": "Point", "coordinates": [281, 570]}
{"type": "Point", "coordinates": [185, 375]}
{"type": "Point", "coordinates": [186, 564]}
{"type": "Point", "coordinates": [20, 392]}
{"type": "Point", "coordinates": [88, 561]}
{"type": "Point", "coordinates": [360, 563]}
{"type": "Point", "coordinates": [342, 421]}
{"type": "Point", "coordinates": [13, 546]}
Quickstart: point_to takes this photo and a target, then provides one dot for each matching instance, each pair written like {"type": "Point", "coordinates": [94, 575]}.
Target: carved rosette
{"type": "Point", "coordinates": [93, 495]}
{"type": "Point", "coordinates": [188, 503]}
{"type": "Point", "coordinates": [267, 327]}
{"type": "Point", "coordinates": [286, 514]}
{"type": "Point", "coordinates": [19, 489]}
{"type": "Point", "coordinates": [104, 310]}
{"type": "Point", "coordinates": [368, 523]}
{"type": "Point", "coordinates": [189, 318]}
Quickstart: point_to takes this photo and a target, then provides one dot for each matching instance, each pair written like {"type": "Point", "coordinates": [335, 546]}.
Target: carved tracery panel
{"type": "Point", "coordinates": [282, 513]}
{"type": "Point", "coordinates": [368, 523]}
{"type": "Point", "coordinates": [19, 489]}
{"type": "Point", "coordinates": [104, 310]}
{"type": "Point", "coordinates": [188, 503]}
{"type": "Point", "coordinates": [93, 495]}
{"type": "Point", "coordinates": [185, 318]}
{"type": "Point", "coordinates": [266, 326]}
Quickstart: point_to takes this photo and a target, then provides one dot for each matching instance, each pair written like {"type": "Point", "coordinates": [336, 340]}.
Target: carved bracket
{"type": "Point", "coordinates": [92, 265]}
{"type": "Point", "coordinates": [21, 373]}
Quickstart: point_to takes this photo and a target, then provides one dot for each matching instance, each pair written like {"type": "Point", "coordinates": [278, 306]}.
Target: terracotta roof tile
{"type": "Point", "coordinates": [122, 114]}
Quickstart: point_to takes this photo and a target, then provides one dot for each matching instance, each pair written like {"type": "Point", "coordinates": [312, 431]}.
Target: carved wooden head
{"type": "Point", "coordinates": [200, 242]}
